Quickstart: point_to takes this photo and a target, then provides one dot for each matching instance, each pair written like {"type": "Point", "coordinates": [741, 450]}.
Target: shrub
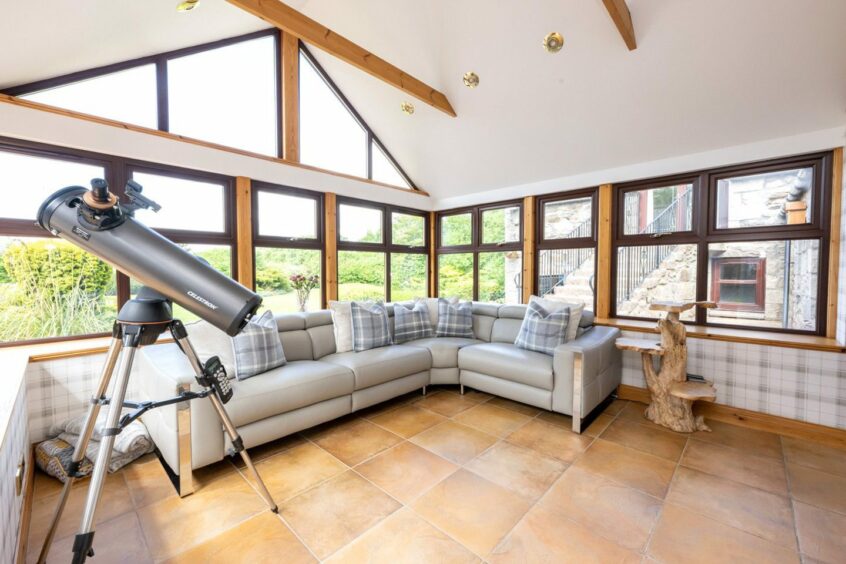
{"type": "Point", "coordinates": [55, 267]}
{"type": "Point", "coordinates": [272, 280]}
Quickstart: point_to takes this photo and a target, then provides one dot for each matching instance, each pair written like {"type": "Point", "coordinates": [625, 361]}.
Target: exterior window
{"type": "Point", "coordinates": [288, 238]}
{"type": "Point", "coordinates": [750, 238]}
{"type": "Point", "coordinates": [457, 230]}
{"type": "Point", "coordinates": [566, 247]}
{"type": "Point", "coordinates": [360, 224]}
{"type": "Point", "coordinates": [361, 275]}
{"type": "Point", "coordinates": [176, 195]}
{"type": "Point", "coordinates": [408, 230]}
{"type": "Point", "coordinates": [455, 275]}
{"type": "Point", "coordinates": [500, 275]}
{"type": "Point", "coordinates": [409, 276]}
{"type": "Point", "coordinates": [384, 170]}
{"type": "Point", "coordinates": [128, 95]}
{"type": "Point", "coordinates": [501, 225]}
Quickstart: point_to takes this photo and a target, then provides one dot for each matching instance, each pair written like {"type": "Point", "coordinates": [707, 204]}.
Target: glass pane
{"type": "Point", "coordinates": [658, 210]}
{"type": "Point", "coordinates": [456, 230]}
{"type": "Point", "coordinates": [360, 224]}
{"type": "Point", "coordinates": [408, 276]}
{"type": "Point", "coordinates": [790, 277]}
{"type": "Point", "coordinates": [32, 179]}
{"type": "Point", "coordinates": [738, 271]}
{"type": "Point", "coordinates": [655, 273]}
{"type": "Point", "coordinates": [501, 225]}
{"type": "Point", "coordinates": [281, 215]}
{"type": "Point", "coordinates": [772, 198]}
{"type": "Point", "coordinates": [361, 275]}
{"type": "Point", "coordinates": [330, 137]}
{"type": "Point", "coordinates": [219, 257]}
{"type": "Point", "coordinates": [455, 276]}
{"type": "Point", "coordinates": [500, 277]}
{"type": "Point", "coordinates": [274, 269]}
{"type": "Point", "coordinates": [178, 196]}
{"type": "Point", "coordinates": [408, 229]}
{"type": "Point", "coordinates": [50, 288]}
{"type": "Point", "coordinates": [384, 170]}
{"type": "Point", "coordinates": [568, 275]}
{"type": "Point", "coordinates": [129, 96]}
{"type": "Point", "coordinates": [568, 219]}
{"type": "Point", "coordinates": [227, 95]}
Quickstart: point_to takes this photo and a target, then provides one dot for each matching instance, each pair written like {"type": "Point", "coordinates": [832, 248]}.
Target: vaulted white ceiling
{"type": "Point", "coordinates": [705, 75]}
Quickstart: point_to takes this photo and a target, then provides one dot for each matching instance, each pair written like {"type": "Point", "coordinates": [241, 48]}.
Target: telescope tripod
{"type": "Point", "coordinates": [127, 337]}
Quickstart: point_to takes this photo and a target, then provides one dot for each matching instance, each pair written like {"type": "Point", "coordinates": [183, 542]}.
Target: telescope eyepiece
{"type": "Point", "coordinates": [100, 190]}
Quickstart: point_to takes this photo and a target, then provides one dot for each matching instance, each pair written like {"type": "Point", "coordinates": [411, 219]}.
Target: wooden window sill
{"type": "Point", "coordinates": [788, 340]}
{"type": "Point", "coordinates": [64, 349]}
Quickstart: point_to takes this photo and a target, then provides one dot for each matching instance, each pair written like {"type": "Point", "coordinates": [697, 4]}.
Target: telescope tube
{"type": "Point", "coordinates": [146, 256]}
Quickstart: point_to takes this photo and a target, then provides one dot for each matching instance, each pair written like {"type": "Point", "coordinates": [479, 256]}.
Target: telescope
{"type": "Point", "coordinates": [97, 222]}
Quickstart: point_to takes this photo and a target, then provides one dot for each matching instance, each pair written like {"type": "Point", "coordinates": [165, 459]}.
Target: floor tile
{"type": "Point", "coordinates": [684, 536]}
{"type": "Point", "coordinates": [546, 536]}
{"type": "Point", "coordinates": [755, 511]}
{"type": "Point", "coordinates": [355, 440]}
{"type": "Point", "coordinates": [523, 408]}
{"type": "Point", "coordinates": [266, 450]}
{"type": "Point", "coordinates": [818, 488]}
{"type": "Point", "coordinates": [556, 419]}
{"type": "Point", "coordinates": [406, 471]}
{"type": "Point", "coordinates": [598, 425]}
{"type": "Point", "coordinates": [629, 467]}
{"type": "Point", "coordinates": [263, 538]}
{"type": "Point", "coordinates": [175, 524]}
{"type": "Point", "coordinates": [297, 469]}
{"type": "Point", "coordinates": [403, 537]}
{"type": "Point", "coordinates": [752, 470]}
{"type": "Point", "coordinates": [635, 411]}
{"type": "Point", "coordinates": [337, 511]}
{"type": "Point", "coordinates": [472, 510]}
{"type": "Point", "coordinates": [390, 405]}
{"type": "Point", "coordinates": [492, 420]}
{"type": "Point", "coordinates": [815, 455]}
{"type": "Point", "coordinates": [208, 474]}
{"type": "Point", "coordinates": [616, 512]}
{"type": "Point", "coordinates": [550, 440]}
{"type": "Point", "coordinates": [821, 532]}
{"type": "Point", "coordinates": [616, 407]}
{"type": "Point", "coordinates": [114, 501]}
{"type": "Point", "coordinates": [446, 403]}
{"type": "Point", "coordinates": [519, 469]}
{"type": "Point", "coordinates": [742, 438]}
{"type": "Point", "coordinates": [117, 541]}
{"type": "Point", "coordinates": [148, 481]}
{"type": "Point", "coordinates": [475, 395]}
{"type": "Point", "coordinates": [408, 420]}
{"type": "Point", "coordinates": [664, 444]}
{"type": "Point", "coordinates": [453, 441]}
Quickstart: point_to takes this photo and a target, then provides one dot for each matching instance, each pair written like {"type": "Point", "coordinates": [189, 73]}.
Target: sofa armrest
{"type": "Point", "coordinates": [585, 370]}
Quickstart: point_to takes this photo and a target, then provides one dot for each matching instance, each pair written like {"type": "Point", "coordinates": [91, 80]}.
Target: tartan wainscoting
{"type": "Point", "coordinates": [15, 444]}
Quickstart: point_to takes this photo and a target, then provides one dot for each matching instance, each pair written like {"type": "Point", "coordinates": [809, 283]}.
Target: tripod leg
{"type": "Point", "coordinates": [87, 429]}
{"type": "Point", "coordinates": [237, 443]}
{"type": "Point", "coordinates": [85, 538]}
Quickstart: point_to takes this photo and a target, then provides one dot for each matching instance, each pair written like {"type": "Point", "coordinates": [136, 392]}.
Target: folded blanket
{"type": "Point", "coordinates": [54, 456]}
{"type": "Point", "coordinates": [134, 437]}
{"type": "Point", "coordinates": [118, 459]}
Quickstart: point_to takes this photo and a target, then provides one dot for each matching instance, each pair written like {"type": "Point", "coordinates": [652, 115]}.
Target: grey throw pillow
{"type": "Point", "coordinates": [370, 325]}
{"type": "Point", "coordinates": [257, 347]}
{"type": "Point", "coordinates": [455, 320]}
{"type": "Point", "coordinates": [411, 323]}
{"type": "Point", "coordinates": [543, 330]}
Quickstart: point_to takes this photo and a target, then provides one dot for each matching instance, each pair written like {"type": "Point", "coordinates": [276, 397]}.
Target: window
{"type": "Point", "coordinates": [480, 253]}
{"type": "Point", "coordinates": [382, 252]}
{"type": "Point", "coordinates": [187, 204]}
{"type": "Point", "coordinates": [566, 247]}
{"type": "Point", "coordinates": [227, 95]}
{"type": "Point", "coordinates": [383, 170]}
{"type": "Point", "coordinates": [288, 238]}
{"type": "Point", "coordinates": [751, 238]}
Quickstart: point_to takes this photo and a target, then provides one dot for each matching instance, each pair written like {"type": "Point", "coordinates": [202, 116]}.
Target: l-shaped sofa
{"type": "Point", "coordinates": [318, 384]}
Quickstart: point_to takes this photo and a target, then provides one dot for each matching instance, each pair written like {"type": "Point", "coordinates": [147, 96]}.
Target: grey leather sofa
{"type": "Point", "coordinates": [318, 384]}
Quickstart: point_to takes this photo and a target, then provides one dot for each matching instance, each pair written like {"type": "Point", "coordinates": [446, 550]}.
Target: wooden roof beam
{"type": "Point", "coordinates": [299, 25]}
{"type": "Point", "coordinates": [619, 12]}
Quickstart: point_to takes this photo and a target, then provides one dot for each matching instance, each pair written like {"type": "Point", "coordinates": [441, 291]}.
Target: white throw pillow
{"type": "Point", "coordinates": [432, 306]}
{"type": "Point", "coordinates": [342, 325]}
{"type": "Point", "coordinates": [556, 305]}
{"type": "Point", "coordinates": [209, 341]}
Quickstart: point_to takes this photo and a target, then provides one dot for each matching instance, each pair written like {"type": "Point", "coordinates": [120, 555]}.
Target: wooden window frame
{"type": "Point", "coordinates": [704, 232]}
{"type": "Point", "coordinates": [759, 282]}
{"type": "Point", "coordinates": [553, 244]}
{"type": "Point", "coordinates": [387, 246]}
{"type": "Point", "coordinates": [475, 247]}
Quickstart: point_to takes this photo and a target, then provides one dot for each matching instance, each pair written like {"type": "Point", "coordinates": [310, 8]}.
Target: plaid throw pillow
{"type": "Point", "coordinates": [370, 325]}
{"type": "Point", "coordinates": [543, 330]}
{"type": "Point", "coordinates": [455, 320]}
{"type": "Point", "coordinates": [411, 323]}
{"type": "Point", "coordinates": [257, 347]}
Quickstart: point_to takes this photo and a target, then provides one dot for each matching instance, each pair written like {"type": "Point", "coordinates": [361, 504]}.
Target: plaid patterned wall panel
{"type": "Point", "coordinates": [15, 445]}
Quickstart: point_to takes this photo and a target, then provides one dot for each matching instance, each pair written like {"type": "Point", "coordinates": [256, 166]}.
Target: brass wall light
{"type": "Point", "coordinates": [553, 42]}
{"type": "Point", "coordinates": [187, 5]}
{"type": "Point", "coordinates": [407, 108]}
{"type": "Point", "coordinates": [471, 79]}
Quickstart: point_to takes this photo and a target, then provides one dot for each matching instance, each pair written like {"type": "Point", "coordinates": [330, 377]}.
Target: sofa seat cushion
{"type": "Point", "coordinates": [444, 350]}
{"type": "Point", "coordinates": [297, 384]}
{"type": "Point", "coordinates": [377, 366]}
{"type": "Point", "coordinates": [509, 362]}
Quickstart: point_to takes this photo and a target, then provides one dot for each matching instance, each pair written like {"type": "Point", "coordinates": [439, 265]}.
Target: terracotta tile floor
{"type": "Point", "coordinates": [448, 478]}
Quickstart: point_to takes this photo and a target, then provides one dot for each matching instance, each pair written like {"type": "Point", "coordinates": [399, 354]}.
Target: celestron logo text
{"type": "Point", "coordinates": [202, 300]}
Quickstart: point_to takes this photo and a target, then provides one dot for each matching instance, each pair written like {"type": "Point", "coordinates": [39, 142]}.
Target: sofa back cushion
{"type": "Point", "coordinates": [484, 316]}
{"type": "Point", "coordinates": [508, 322]}
{"type": "Point", "coordinates": [455, 320]}
{"type": "Point", "coordinates": [370, 326]}
{"type": "Point", "coordinates": [209, 341]}
{"type": "Point", "coordinates": [543, 330]}
{"type": "Point", "coordinates": [411, 323]}
{"type": "Point", "coordinates": [258, 347]}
